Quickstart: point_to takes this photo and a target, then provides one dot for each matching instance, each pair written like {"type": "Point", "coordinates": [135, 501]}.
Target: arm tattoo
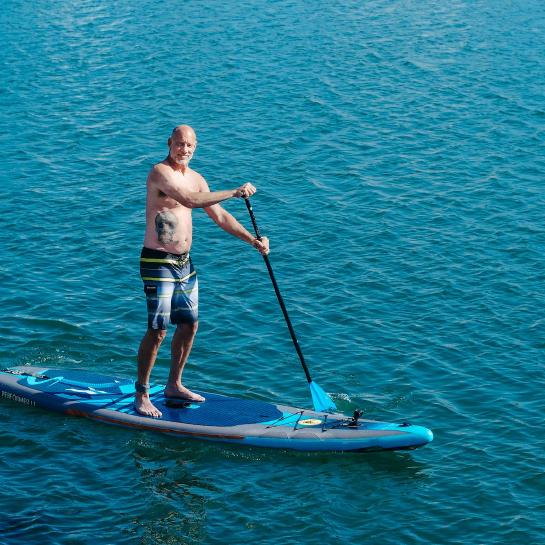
{"type": "Point", "coordinates": [165, 226]}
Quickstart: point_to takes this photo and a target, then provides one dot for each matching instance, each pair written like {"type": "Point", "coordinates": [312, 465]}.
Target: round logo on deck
{"type": "Point", "coordinates": [310, 422]}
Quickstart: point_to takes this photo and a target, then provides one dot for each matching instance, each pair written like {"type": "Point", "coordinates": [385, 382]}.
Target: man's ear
{"type": "Point", "coordinates": [169, 141]}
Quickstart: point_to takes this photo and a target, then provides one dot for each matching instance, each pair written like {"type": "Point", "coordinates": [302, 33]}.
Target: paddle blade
{"type": "Point", "coordinates": [320, 400]}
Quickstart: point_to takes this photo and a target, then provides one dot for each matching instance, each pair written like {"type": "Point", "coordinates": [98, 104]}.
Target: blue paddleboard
{"type": "Point", "coordinates": [220, 418]}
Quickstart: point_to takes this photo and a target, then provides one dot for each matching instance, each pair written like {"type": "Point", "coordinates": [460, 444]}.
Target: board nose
{"type": "Point", "coordinates": [423, 434]}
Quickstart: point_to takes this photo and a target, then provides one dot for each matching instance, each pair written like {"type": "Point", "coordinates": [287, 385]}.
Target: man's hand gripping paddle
{"type": "Point", "coordinates": [320, 400]}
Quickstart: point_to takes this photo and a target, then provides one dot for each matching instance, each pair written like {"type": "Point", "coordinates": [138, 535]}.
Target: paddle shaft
{"type": "Point", "coordinates": [279, 295]}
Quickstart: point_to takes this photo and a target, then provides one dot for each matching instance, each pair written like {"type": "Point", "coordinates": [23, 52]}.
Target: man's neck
{"type": "Point", "coordinates": [182, 168]}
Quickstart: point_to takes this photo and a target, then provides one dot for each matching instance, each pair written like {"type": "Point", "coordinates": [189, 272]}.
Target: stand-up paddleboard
{"type": "Point", "coordinates": [220, 418]}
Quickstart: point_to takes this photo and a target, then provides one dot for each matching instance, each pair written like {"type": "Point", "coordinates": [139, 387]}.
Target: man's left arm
{"type": "Point", "coordinates": [229, 224]}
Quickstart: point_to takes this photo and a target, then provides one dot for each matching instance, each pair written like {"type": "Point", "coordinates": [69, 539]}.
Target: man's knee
{"type": "Point", "coordinates": [157, 335]}
{"type": "Point", "coordinates": [190, 327]}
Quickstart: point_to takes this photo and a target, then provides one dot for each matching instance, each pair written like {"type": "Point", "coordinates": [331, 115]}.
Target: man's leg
{"type": "Point", "coordinates": [182, 341]}
{"type": "Point", "coordinates": [147, 354]}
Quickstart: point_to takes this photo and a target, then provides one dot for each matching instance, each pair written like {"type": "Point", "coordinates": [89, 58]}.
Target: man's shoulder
{"type": "Point", "coordinates": [160, 171]}
{"type": "Point", "coordinates": [162, 167]}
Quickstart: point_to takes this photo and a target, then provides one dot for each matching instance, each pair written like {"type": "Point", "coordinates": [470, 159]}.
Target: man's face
{"type": "Point", "coordinates": [182, 146]}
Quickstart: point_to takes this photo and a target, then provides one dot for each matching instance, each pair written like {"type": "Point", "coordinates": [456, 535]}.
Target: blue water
{"type": "Point", "coordinates": [397, 148]}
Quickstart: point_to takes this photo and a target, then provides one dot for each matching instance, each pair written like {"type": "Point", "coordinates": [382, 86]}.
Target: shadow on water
{"type": "Point", "coordinates": [192, 486]}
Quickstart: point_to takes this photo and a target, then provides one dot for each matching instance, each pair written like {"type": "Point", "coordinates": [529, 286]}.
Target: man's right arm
{"type": "Point", "coordinates": [195, 199]}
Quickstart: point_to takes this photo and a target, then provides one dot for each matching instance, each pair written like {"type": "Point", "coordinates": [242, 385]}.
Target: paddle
{"type": "Point", "coordinates": [321, 401]}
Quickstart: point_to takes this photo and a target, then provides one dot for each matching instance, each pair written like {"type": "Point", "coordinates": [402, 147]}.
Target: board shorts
{"type": "Point", "coordinates": [171, 287]}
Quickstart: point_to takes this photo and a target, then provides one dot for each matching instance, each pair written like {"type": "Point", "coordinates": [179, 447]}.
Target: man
{"type": "Point", "coordinates": [170, 281]}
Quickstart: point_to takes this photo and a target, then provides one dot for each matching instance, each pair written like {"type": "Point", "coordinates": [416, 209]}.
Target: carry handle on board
{"type": "Point", "coordinates": [320, 399]}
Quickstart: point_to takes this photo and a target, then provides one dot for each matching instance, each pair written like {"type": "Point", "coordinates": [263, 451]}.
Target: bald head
{"type": "Point", "coordinates": [185, 131]}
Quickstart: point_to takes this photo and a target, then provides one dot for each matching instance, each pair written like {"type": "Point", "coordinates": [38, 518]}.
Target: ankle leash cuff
{"type": "Point", "coordinates": [141, 388]}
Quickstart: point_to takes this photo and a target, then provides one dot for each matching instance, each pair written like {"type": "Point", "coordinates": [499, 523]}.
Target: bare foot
{"type": "Point", "coordinates": [177, 392]}
{"type": "Point", "coordinates": [145, 407]}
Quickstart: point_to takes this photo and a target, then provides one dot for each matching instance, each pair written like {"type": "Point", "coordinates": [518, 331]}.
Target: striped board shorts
{"type": "Point", "coordinates": [171, 287]}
